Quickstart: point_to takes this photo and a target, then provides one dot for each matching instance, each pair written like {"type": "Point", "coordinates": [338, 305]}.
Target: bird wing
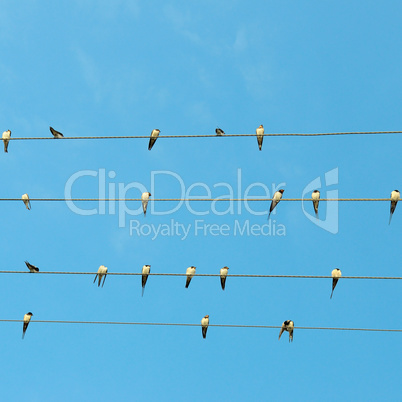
{"type": "Point", "coordinates": [281, 332]}
{"type": "Point", "coordinates": [223, 281]}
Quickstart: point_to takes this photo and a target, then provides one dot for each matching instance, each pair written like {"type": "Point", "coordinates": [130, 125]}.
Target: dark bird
{"type": "Point", "coordinates": [288, 325]}
{"type": "Point", "coordinates": [56, 134]}
{"type": "Point", "coordinates": [219, 131]}
{"type": "Point", "coordinates": [31, 267]}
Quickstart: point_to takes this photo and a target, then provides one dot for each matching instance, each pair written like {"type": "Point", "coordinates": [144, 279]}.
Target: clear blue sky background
{"type": "Point", "coordinates": [126, 67]}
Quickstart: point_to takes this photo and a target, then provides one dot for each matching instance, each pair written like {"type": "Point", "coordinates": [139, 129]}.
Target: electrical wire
{"type": "Point", "coordinates": [203, 275]}
{"type": "Point", "coordinates": [207, 135]}
{"type": "Point", "coordinates": [194, 199]}
{"type": "Point", "coordinates": [198, 325]}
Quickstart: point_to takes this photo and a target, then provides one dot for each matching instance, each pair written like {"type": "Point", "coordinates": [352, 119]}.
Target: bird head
{"type": "Point", "coordinates": [281, 191]}
{"type": "Point", "coordinates": [30, 314]}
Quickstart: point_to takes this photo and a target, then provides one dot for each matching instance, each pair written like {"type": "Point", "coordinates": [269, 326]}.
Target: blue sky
{"type": "Point", "coordinates": [126, 67]}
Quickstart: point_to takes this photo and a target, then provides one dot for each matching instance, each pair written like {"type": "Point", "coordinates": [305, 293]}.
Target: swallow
{"type": "Point", "coordinates": [336, 274]}
{"type": "Point", "coordinates": [204, 326]}
{"type": "Point", "coordinates": [219, 131]}
{"type": "Point", "coordinates": [224, 273]}
{"type": "Point", "coordinates": [25, 198]}
{"type": "Point", "coordinates": [275, 201]}
{"type": "Point", "coordinates": [102, 271]}
{"type": "Point", "coordinates": [288, 325]}
{"type": "Point", "coordinates": [145, 198]}
{"type": "Point", "coordinates": [27, 318]}
{"type": "Point", "coordinates": [260, 136]}
{"type": "Point", "coordinates": [395, 196]}
{"type": "Point", "coordinates": [316, 199]}
{"type": "Point", "coordinates": [31, 267]}
{"type": "Point", "coordinates": [146, 269]}
{"type": "Point", "coordinates": [153, 138]}
{"type": "Point", "coordinates": [56, 134]}
{"type": "Point", "coordinates": [189, 273]}
{"type": "Point", "coordinates": [6, 139]}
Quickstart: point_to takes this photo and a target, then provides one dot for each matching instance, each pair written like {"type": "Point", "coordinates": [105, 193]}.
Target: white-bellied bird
{"type": "Point", "coordinates": [154, 136]}
{"type": "Point", "coordinates": [146, 269]}
{"type": "Point", "coordinates": [204, 326]}
{"type": "Point", "coordinates": [102, 271]}
{"type": "Point", "coordinates": [260, 135]}
{"type": "Point", "coordinates": [6, 139]}
{"type": "Point", "coordinates": [395, 197]}
{"type": "Point", "coordinates": [27, 318]}
{"type": "Point", "coordinates": [336, 274]}
{"type": "Point", "coordinates": [224, 274]}
{"type": "Point", "coordinates": [189, 273]}
{"type": "Point", "coordinates": [275, 201]}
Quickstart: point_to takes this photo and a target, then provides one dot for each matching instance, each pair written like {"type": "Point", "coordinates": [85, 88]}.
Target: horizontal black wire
{"type": "Point", "coordinates": [196, 199]}
{"type": "Point", "coordinates": [203, 275]}
{"type": "Point", "coordinates": [197, 325]}
{"type": "Point", "coordinates": [207, 135]}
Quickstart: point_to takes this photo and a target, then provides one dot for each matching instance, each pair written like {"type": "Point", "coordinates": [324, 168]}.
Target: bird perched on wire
{"type": "Point", "coordinates": [275, 201]}
{"type": "Point", "coordinates": [219, 131]}
{"type": "Point", "coordinates": [146, 269]}
{"type": "Point", "coordinates": [27, 318]}
{"type": "Point", "coordinates": [336, 274]}
{"type": "Point", "coordinates": [31, 267]}
{"type": "Point", "coordinates": [145, 199]}
{"type": "Point", "coordinates": [260, 135]}
{"type": "Point", "coordinates": [189, 273]}
{"type": "Point", "coordinates": [395, 196]}
{"type": "Point", "coordinates": [316, 200]}
{"type": "Point", "coordinates": [287, 325]}
{"type": "Point", "coordinates": [25, 198]}
{"type": "Point", "coordinates": [204, 326]}
{"type": "Point", "coordinates": [154, 136]}
{"type": "Point", "coordinates": [224, 274]}
{"type": "Point", "coordinates": [56, 134]}
{"type": "Point", "coordinates": [6, 138]}
{"type": "Point", "coordinates": [102, 271]}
